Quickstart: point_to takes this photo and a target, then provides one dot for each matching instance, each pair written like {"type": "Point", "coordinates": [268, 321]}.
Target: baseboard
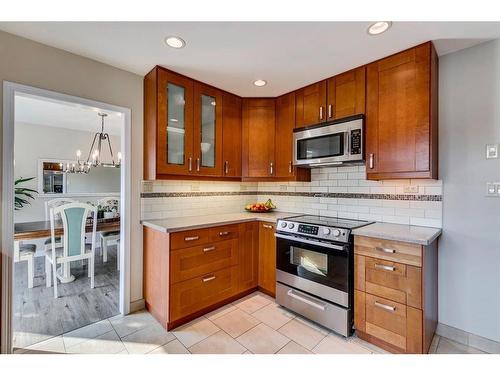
{"type": "Point", "coordinates": [137, 305]}
{"type": "Point", "coordinates": [467, 338]}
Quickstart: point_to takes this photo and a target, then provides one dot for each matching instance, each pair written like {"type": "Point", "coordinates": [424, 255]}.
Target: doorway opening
{"type": "Point", "coordinates": [61, 150]}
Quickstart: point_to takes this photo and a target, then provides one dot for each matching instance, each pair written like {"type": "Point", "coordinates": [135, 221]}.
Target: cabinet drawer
{"type": "Point", "coordinates": [395, 281]}
{"type": "Point", "coordinates": [189, 238]}
{"type": "Point", "coordinates": [395, 251]}
{"type": "Point", "coordinates": [200, 260]}
{"type": "Point", "coordinates": [224, 232]}
{"type": "Point", "coordinates": [192, 295]}
{"type": "Point", "coordinates": [386, 320]}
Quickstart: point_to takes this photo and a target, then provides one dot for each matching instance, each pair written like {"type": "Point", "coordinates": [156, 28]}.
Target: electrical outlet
{"type": "Point", "coordinates": [492, 151]}
{"type": "Point", "coordinates": [243, 187]}
{"type": "Point", "coordinates": [147, 186]}
{"type": "Point", "coordinates": [282, 187]}
{"type": "Point", "coordinates": [411, 189]}
{"type": "Point", "coordinates": [492, 189]}
{"type": "Point", "coordinates": [195, 187]}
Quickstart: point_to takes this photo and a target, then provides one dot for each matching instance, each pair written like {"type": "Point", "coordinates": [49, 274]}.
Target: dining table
{"type": "Point", "coordinates": [41, 229]}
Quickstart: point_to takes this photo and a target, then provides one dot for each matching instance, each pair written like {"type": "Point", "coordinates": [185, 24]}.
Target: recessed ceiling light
{"type": "Point", "coordinates": [379, 27]}
{"type": "Point", "coordinates": [175, 42]}
{"type": "Point", "coordinates": [260, 83]}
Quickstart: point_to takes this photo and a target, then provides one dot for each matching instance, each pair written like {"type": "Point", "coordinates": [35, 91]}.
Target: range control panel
{"type": "Point", "coordinates": [316, 231]}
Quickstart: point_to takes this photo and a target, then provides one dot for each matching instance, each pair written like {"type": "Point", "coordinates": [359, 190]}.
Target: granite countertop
{"type": "Point", "coordinates": [398, 232]}
{"type": "Point", "coordinates": [196, 222]}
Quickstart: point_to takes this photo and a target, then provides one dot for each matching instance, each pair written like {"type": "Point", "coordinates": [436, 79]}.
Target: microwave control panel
{"type": "Point", "coordinates": [355, 141]}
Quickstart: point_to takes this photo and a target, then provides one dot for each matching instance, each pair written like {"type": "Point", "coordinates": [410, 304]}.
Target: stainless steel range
{"type": "Point", "coordinates": [314, 269]}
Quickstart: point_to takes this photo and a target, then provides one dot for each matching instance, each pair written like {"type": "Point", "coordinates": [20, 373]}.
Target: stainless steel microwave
{"type": "Point", "coordinates": [333, 143]}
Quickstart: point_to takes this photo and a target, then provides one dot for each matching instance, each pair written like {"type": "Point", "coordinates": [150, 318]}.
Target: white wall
{"type": "Point", "coordinates": [34, 64]}
{"type": "Point", "coordinates": [33, 142]}
{"type": "Point", "coordinates": [469, 249]}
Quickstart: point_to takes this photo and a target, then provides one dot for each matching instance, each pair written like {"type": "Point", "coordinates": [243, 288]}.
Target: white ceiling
{"type": "Point", "coordinates": [232, 55]}
{"type": "Point", "coordinates": [47, 112]}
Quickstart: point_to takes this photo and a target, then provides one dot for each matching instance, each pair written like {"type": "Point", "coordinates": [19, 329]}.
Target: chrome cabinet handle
{"type": "Point", "coordinates": [267, 226]}
{"type": "Point", "coordinates": [385, 307]}
{"type": "Point", "coordinates": [207, 249]}
{"type": "Point", "coordinates": [306, 300]}
{"type": "Point", "coordinates": [223, 233]}
{"type": "Point", "coordinates": [321, 113]}
{"type": "Point", "coordinates": [371, 162]}
{"type": "Point", "coordinates": [226, 167]}
{"type": "Point", "coordinates": [197, 164]}
{"type": "Point", "coordinates": [385, 250]}
{"type": "Point", "coordinates": [271, 168]}
{"type": "Point", "coordinates": [190, 164]}
{"type": "Point", "coordinates": [208, 278]}
{"type": "Point", "coordinates": [290, 167]}
{"type": "Point", "coordinates": [384, 267]}
{"type": "Point", "coordinates": [193, 238]}
{"type": "Point", "coordinates": [330, 111]}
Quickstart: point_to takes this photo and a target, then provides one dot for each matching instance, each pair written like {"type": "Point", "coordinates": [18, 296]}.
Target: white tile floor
{"type": "Point", "coordinates": [254, 324]}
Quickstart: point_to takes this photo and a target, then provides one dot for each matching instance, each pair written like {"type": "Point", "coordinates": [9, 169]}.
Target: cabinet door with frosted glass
{"type": "Point", "coordinates": [175, 124]}
{"type": "Point", "coordinates": [207, 140]}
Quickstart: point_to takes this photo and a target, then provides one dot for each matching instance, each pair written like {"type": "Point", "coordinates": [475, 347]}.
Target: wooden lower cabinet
{"type": "Point", "coordinates": [267, 258]}
{"type": "Point", "coordinates": [249, 256]}
{"type": "Point", "coordinates": [395, 302]}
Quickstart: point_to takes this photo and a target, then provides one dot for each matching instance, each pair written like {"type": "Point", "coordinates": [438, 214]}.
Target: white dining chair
{"type": "Point", "coordinates": [74, 219]}
{"type": "Point", "coordinates": [52, 204]}
{"type": "Point", "coordinates": [26, 253]}
{"type": "Point", "coordinates": [110, 236]}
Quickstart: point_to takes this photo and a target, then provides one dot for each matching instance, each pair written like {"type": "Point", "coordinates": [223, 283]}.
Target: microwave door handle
{"type": "Point", "coordinates": [347, 143]}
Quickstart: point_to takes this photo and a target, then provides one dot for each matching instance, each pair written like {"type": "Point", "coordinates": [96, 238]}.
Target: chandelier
{"type": "Point", "coordinates": [95, 154]}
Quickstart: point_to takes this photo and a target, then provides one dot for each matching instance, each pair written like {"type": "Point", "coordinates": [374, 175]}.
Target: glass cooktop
{"type": "Point", "coordinates": [337, 222]}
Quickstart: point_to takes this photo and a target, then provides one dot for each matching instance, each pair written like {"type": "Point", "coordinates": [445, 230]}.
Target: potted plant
{"type": "Point", "coordinates": [22, 195]}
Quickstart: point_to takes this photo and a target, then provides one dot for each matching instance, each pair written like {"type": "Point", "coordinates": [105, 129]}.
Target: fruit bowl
{"type": "Point", "coordinates": [260, 207]}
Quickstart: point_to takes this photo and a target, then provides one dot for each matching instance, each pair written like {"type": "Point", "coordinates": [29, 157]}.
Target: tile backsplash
{"type": "Point", "coordinates": [338, 191]}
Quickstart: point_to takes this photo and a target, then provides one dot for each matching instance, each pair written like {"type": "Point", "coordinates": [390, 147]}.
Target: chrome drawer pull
{"type": "Point", "coordinates": [223, 233]}
{"type": "Point", "coordinates": [385, 307]}
{"type": "Point", "coordinates": [330, 111]}
{"type": "Point", "coordinates": [371, 162]}
{"type": "Point", "coordinates": [267, 226]}
{"type": "Point", "coordinates": [385, 268]}
{"type": "Point", "coordinates": [194, 238]}
{"type": "Point", "coordinates": [306, 300]}
{"type": "Point", "coordinates": [385, 250]}
{"type": "Point", "coordinates": [190, 164]}
{"type": "Point", "coordinates": [207, 249]}
{"type": "Point", "coordinates": [209, 278]}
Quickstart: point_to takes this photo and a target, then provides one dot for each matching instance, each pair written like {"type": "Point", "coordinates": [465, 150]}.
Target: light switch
{"type": "Point", "coordinates": [411, 189]}
{"type": "Point", "coordinates": [147, 186]}
{"type": "Point", "coordinates": [492, 188]}
{"type": "Point", "coordinates": [492, 151]}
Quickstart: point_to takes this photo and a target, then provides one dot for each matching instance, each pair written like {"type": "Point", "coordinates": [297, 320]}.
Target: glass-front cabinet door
{"type": "Point", "coordinates": [207, 140]}
{"type": "Point", "coordinates": [175, 124]}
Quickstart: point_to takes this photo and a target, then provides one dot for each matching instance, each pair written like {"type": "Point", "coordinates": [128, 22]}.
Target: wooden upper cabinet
{"type": "Point", "coordinates": [258, 138]}
{"type": "Point", "coordinates": [310, 106]}
{"type": "Point", "coordinates": [207, 144]}
{"type": "Point", "coordinates": [346, 94]}
{"type": "Point", "coordinates": [401, 127]}
{"type": "Point", "coordinates": [231, 135]}
{"type": "Point", "coordinates": [285, 123]}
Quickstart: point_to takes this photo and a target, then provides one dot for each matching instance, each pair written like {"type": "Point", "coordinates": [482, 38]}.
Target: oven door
{"type": "Point", "coordinates": [321, 269]}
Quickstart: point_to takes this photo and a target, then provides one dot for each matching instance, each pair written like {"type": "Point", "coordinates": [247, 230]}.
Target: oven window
{"type": "Point", "coordinates": [309, 260]}
{"type": "Point", "coordinates": [320, 147]}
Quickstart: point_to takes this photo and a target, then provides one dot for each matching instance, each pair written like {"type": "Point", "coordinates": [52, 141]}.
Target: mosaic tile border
{"type": "Point", "coordinates": [395, 197]}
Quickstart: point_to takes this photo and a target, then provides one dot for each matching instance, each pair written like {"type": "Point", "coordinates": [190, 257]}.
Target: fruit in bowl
{"type": "Point", "coordinates": [260, 207]}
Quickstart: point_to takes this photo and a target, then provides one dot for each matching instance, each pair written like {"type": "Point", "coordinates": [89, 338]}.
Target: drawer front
{"type": "Point", "coordinates": [189, 238]}
{"type": "Point", "coordinates": [224, 232]}
{"type": "Point", "coordinates": [395, 281]}
{"type": "Point", "coordinates": [192, 295]}
{"type": "Point", "coordinates": [386, 320]}
{"type": "Point", "coordinates": [395, 251]}
{"type": "Point", "coordinates": [200, 260]}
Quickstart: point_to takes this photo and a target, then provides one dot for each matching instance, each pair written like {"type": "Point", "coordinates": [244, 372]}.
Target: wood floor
{"type": "Point", "coordinates": [38, 316]}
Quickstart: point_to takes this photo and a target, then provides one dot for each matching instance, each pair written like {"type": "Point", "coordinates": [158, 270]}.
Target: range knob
{"type": "Point", "coordinates": [336, 233]}
{"type": "Point", "coordinates": [326, 231]}
{"type": "Point", "coordinates": [291, 225]}
{"type": "Point", "coordinates": [283, 224]}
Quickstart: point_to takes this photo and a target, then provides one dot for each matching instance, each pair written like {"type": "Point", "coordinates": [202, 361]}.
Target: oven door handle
{"type": "Point", "coordinates": [316, 243]}
{"type": "Point", "coordinates": [306, 300]}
